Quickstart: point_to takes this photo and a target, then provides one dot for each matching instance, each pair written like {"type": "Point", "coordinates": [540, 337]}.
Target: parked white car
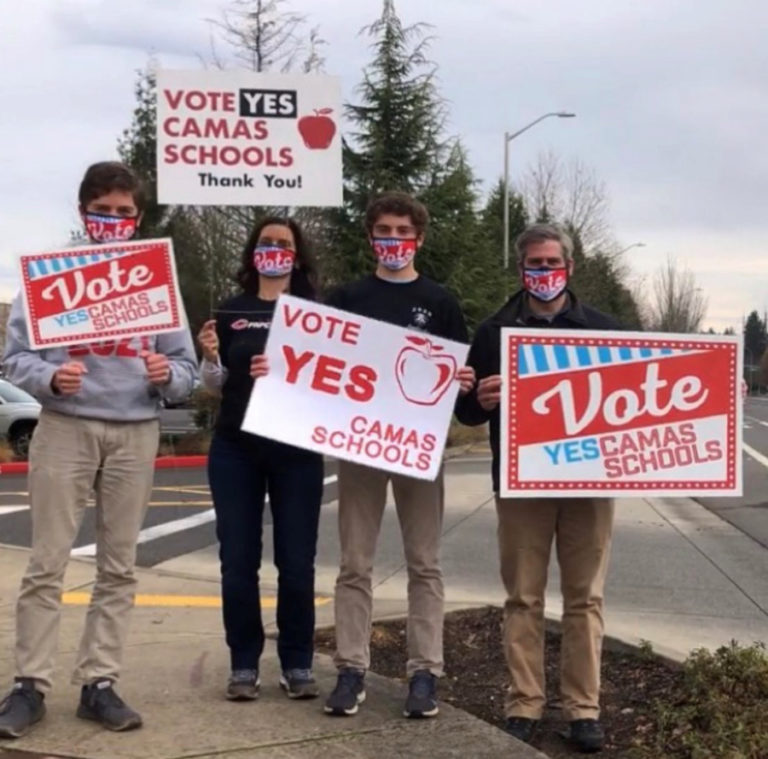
{"type": "Point", "coordinates": [19, 412]}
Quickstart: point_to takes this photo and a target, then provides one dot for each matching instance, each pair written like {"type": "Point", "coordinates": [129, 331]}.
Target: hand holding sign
{"type": "Point", "coordinates": [158, 367]}
{"type": "Point", "coordinates": [209, 341]}
{"type": "Point", "coordinates": [489, 392]}
{"type": "Point", "coordinates": [466, 379]}
{"type": "Point", "coordinates": [259, 366]}
{"type": "Point", "coordinates": [68, 378]}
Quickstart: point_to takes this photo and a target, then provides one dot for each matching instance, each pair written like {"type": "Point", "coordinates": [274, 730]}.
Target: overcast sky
{"type": "Point", "coordinates": [671, 98]}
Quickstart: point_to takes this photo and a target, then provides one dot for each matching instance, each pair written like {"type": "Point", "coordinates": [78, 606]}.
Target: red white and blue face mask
{"type": "Point", "coordinates": [394, 253]}
{"type": "Point", "coordinates": [273, 261]}
{"type": "Point", "coordinates": [545, 284]}
{"type": "Point", "coordinates": [103, 228]}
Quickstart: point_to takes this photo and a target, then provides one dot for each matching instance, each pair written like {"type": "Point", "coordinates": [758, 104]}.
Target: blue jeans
{"type": "Point", "coordinates": [242, 470]}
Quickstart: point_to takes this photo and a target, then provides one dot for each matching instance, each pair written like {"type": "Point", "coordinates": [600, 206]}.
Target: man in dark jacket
{"type": "Point", "coordinates": [527, 527]}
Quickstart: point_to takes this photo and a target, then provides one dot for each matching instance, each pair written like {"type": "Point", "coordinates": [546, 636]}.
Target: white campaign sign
{"type": "Point", "coordinates": [356, 388]}
{"type": "Point", "coordinates": [242, 138]}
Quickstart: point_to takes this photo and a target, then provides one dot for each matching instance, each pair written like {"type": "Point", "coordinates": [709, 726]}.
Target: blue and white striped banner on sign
{"type": "Point", "coordinates": [44, 267]}
{"type": "Point", "coordinates": [538, 359]}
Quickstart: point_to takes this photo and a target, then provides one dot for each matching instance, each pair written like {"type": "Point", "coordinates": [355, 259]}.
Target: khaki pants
{"type": "Point", "coordinates": [362, 497]}
{"type": "Point", "coordinates": [68, 457]}
{"type": "Point", "coordinates": [581, 529]}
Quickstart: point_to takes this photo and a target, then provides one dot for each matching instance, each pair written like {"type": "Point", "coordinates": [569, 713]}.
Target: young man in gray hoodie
{"type": "Point", "coordinates": [98, 430]}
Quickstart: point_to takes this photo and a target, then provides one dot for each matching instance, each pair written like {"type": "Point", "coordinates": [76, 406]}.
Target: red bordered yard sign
{"type": "Point", "coordinates": [620, 413]}
{"type": "Point", "coordinates": [84, 294]}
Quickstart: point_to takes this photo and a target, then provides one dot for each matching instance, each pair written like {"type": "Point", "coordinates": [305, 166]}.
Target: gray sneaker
{"type": "Point", "coordinates": [100, 703]}
{"type": "Point", "coordinates": [243, 685]}
{"type": "Point", "coordinates": [299, 683]}
{"type": "Point", "coordinates": [21, 709]}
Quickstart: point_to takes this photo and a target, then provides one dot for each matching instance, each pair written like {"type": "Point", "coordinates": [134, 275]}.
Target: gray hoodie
{"type": "Point", "coordinates": [115, 387]}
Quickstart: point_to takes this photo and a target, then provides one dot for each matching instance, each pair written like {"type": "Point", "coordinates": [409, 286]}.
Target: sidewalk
{"type": "Point", "coordinates": [175, 670]}
{"type": "Point", "coordinates": [680, 578]}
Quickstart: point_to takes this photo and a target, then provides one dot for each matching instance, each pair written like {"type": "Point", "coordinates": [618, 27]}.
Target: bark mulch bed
{"type": "Point", "coordinates": [476, 677]}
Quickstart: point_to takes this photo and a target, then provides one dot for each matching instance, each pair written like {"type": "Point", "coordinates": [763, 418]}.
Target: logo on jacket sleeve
{"type": "Point", "coordinates": [245, 324]}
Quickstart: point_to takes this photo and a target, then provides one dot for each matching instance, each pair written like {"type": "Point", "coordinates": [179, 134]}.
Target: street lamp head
{"type": "Point", "coordinates": [507, 139]}
{"type": "Point", "coordinates": [629, 247]}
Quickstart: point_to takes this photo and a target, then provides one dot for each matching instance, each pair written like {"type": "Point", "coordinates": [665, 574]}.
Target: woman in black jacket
{"type": "Point", "coordinates": [244, 470]}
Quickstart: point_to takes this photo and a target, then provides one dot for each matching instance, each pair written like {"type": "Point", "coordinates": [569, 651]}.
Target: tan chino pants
{"type": "Point", "coordinates": [362, 497]}
{"type": "Point", "coordinates": [70, 456]}
{"type": "Point", "coordinates": [581, 529]}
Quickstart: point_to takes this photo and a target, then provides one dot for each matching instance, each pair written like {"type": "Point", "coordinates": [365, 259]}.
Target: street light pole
{"type": "Point", "coordinates": [629, 247]}
{"type": "Point", "coordinates": [507, 139]}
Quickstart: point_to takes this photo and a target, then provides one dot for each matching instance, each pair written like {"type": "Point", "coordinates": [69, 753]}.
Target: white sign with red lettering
{"type": "Point", "coordinates": [97, 292]}
{"type": "Point", "coordinates": [620, 413]}
{"type": "Point", "coordinates": [356, 388]}
{"type": "Point", "coordinates": [241, 138]}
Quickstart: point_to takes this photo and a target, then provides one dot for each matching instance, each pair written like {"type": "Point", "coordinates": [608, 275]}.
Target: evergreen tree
{"type": "Point", "coordinates": [138, 146]}
{"type": "Point", "coordinates": [458, 251]}
{"type": "Point", "coordinates": [597, 280]}
{"type": "Point", "coordinates": [396, 142]}
{"type": "Point", "coordinates": [492, 217]}
{"type": "Point", "coordinates": [755, 338]}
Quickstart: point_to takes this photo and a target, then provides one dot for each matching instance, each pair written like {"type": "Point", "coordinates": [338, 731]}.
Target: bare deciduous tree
{"type": "Point", "coordinates": [570, 194]}
{"type": "Point", "coordinates": [677, 303]}
{"type": "Point", "coordinates": [262, 35]}
{"type": "Point", "coordinates": [265, 37]}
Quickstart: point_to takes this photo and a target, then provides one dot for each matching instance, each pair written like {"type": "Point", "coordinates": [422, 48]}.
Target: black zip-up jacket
{"type": "Point", "coordinates": [485, 354]}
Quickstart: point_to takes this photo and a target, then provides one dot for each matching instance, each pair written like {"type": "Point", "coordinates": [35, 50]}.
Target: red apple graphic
{"type": "Point", "coordinates": [423, 372]}
{"type": "Point", "coordinates": [317, 131]}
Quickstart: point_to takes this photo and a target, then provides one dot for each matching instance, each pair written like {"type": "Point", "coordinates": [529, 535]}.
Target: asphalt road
{"type": "Point", "coordinates": [176, 421]}
{"type": "Point", "coordinates": [750, 512]}
{"type": "Point", "coordinates": [180, 517]}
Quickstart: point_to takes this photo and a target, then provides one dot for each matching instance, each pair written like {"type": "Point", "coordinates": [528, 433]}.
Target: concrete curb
{"type": "Point", "coordinates": [189, 462]}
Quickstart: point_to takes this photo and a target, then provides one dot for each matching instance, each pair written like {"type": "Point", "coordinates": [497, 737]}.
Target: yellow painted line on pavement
{"type": "Point", "coordinates": [78, 598]}
{"type": "Point", "coordinates": [196, 504]}
{"type": "Point", "coordinates": [209, 502]}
